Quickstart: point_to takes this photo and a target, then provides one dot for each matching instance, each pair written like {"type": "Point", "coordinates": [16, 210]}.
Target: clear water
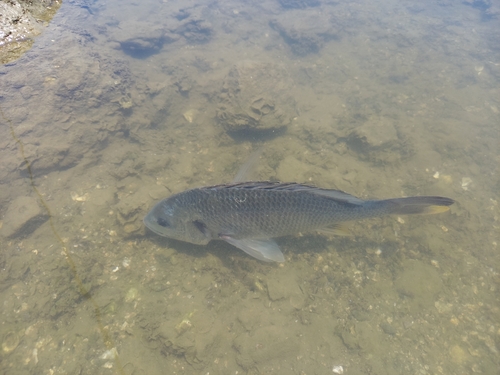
{"type": "Point", "coordinates": [117, 106]}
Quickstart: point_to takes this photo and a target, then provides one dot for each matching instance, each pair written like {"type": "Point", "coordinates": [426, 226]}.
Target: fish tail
{"type": "Point", "coordinates": [415, 205]}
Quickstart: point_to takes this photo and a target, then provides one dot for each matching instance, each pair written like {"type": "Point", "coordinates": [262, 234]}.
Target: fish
{"type": "Point", "coordinates": [249, 215]}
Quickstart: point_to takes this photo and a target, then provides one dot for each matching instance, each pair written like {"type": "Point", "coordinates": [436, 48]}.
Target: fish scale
{"type": "Point", "coordinates": [265, 213]}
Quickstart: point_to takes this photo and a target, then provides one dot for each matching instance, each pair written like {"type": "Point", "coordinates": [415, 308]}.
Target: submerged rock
{"type": "Point", "coordinates": [299, 4]}
{"type": "Point", "coordinates": [22, 218]}
{"type": "Point", "coordinates": [140, 39]}
{"type": "Point", "coordinates": [419, 283]}
{"type": "Point", "coordinates": [265, 347]}
{"type": "Point", "coordinates": [196, 31]}
{"type": "Point", "coordinates": [256, 97]}
{"type": "Point", "coordinates": [306, 32]}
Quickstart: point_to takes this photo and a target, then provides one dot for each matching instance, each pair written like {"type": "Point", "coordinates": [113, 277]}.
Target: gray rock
{"type": "Point", "coordinates": [377, 133]}
{"type": "Point", "coordinates": [304, 31]}
{"type": "Point", "coordinates": [266, 347]}
{"type": "Point", "coordinates": [378, 139]}
{"type": "Point", "coordinates": [388, 328]}
{"type": "Point", "coordinates": [419, 283]}
{"type": "Point", "coordinates": [256, 97]}
{"type": "Point", "coordinates": [196, 31]}
{"type": "Point", "coordinates": [299, 4]}
{"type": "Point", "coordinates": [140, 39]}
{"type": "Point", "coordinates": [23, 217]}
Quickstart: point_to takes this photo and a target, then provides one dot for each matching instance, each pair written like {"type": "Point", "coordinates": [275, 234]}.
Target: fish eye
{"type": "Point", "coordinates": [162, 222]}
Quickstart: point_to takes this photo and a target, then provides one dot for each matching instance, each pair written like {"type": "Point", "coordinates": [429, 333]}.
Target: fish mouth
{"type": "Point", "coordinates": [152, 227]}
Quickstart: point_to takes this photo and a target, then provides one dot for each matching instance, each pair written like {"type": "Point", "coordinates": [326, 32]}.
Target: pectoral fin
{"type": "Point", "coordinates": [266, 250]}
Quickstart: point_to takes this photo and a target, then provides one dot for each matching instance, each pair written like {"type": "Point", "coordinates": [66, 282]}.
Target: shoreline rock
{"type": "Point", "coordinates": [20, 22]}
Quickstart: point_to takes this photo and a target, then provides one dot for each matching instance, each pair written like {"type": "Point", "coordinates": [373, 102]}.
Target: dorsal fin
{"type": "Point", "coordinates": [247, 168]}
{"type": "Point", "coordinates": [290, 186]}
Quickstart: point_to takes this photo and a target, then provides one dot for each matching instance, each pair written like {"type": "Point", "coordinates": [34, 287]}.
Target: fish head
{"type": "Point", "coordinates": [170, 218]}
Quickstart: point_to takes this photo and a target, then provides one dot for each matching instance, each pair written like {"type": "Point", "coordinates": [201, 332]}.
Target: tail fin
{"type": "Point", "coordinates": [418, 205]}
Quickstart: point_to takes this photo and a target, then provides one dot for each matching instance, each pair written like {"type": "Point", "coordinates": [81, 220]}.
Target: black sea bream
{"type": "Point", "coordinates": [249, 214]}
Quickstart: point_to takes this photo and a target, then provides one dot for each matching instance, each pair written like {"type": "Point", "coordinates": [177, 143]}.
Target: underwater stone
{"type": "Point", "coordinates": [23, 217]}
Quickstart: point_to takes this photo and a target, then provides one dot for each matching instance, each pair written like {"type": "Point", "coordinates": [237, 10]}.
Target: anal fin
{"type": "Point", "coordinates": [338, 229]}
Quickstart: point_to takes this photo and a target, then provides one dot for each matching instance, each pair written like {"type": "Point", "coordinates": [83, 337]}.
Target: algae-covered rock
{"type": "Point", "coordinates": [23, 216]}
{"type": "Point", "coordinates": [256, 97]}
{"type": "Point", "coordinates": [306, 31]}
{"type": "Point", "coordinates": [420, 283]}
{"type": "Point", "coordinates": [265, 347]}
{"type": "Point", "coordinates": [140, 39]}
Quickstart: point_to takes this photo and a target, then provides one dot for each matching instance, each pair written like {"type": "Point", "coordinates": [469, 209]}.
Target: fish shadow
{"type": "Point", "coordinates": [189, 249]}
{"type": "Point", "coordinates": [309, 245]}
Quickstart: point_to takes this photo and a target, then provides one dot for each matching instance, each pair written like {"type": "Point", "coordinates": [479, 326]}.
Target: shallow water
{"type": "Point", "coordinates": [118, 105]}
